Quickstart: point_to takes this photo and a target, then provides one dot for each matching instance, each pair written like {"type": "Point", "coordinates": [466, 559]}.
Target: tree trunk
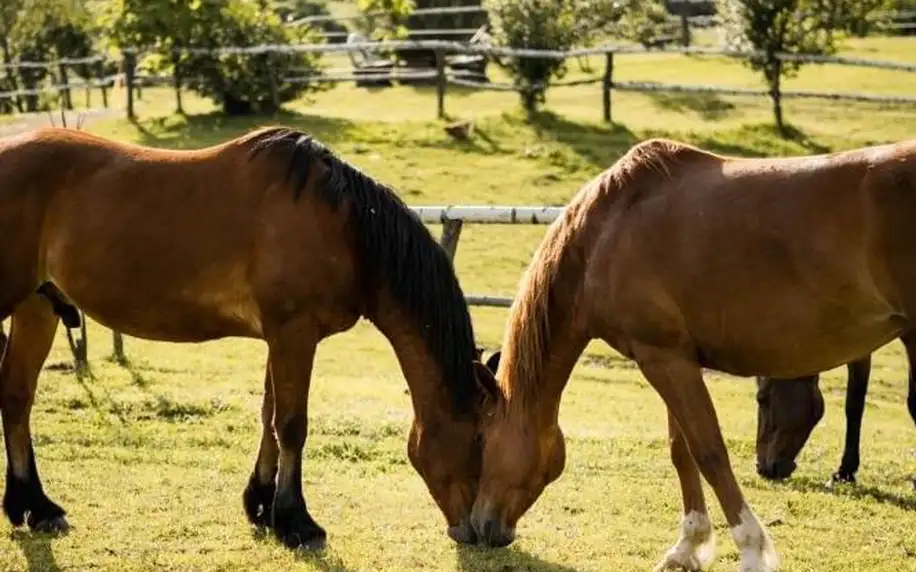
{"type": "Point", "coordinates": [176, 82]}
{"type": "Point", "coordinates": [776, 97]}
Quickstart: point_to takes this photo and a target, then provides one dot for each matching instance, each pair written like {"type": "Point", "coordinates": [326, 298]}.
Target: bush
{"type": "Point", "coordinates": [533, 24]}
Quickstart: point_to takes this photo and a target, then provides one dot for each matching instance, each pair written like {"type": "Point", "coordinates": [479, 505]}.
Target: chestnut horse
{"type": "Point", "coordinates": [787, 413]}
{"type": "Point", "coordinates": [682, 259]}
{"type": "Point", "coordinates": [267, 236]}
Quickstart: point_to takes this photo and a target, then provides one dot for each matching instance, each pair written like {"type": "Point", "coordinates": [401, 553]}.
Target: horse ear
{"type": "Point", "coordinates": [486, 381]}
{"type": "Point", "coordinates": [493, 361]}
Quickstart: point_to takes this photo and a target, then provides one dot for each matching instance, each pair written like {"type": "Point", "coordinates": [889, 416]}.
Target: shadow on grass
{"type": "Point", "coordinates": [852, 491]}
{"type": "Point", "coordinates": [599, 145]}
{"type": "Point", "coordinates": [36, 547]}
{"type": "Point", "coordinates": [479, 559]}
{"type": "Point", "coordinates": [707, 106]}
{"type": "Point", "coordinates": [322, 560]}
{"type": "Point", "coordinates": [196, 131]}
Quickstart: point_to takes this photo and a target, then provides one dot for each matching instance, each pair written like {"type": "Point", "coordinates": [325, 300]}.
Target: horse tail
{"type": "Point", "coordinates": [68, 313]}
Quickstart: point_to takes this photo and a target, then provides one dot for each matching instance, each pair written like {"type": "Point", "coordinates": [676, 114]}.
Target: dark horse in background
{"type": "Point", "coordinates": [790, 409]}
{"type": "Point", "coordinates": [267, 236]}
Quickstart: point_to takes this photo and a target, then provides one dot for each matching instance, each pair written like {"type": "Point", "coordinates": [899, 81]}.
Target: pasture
{"type": "Point", "coordinates": [150, 459]}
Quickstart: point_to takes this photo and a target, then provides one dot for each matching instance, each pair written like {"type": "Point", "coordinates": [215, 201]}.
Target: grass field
{"type": "Point", "coordinates": [150, 459]}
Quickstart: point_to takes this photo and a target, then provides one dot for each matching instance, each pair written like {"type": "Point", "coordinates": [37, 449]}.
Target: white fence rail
{"type": "Point", "coordinates": [453, 217]}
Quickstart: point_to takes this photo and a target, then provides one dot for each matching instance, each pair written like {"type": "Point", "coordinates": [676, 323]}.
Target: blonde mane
{"type": "Point", "coordinates": [528, 328]}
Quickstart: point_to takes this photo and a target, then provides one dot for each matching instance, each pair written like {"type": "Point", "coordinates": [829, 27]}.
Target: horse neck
{"type": "Point", "coordinates": [534, 378]}
{"type": "Point", "coordinates": [428, 390]}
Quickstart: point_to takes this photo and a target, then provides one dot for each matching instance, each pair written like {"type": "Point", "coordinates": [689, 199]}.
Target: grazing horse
{"type": "Point", "coordinates": [267, 236]}
{"type": "Point", "coordinates": [788, 411]}
{"type": "Point", "coordinates": [682, 259]}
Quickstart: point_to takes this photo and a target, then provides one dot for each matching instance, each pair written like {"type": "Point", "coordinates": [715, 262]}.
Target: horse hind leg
{"type": "Point", "coordinates": [34, 324]}
{"type": "Point", "coordinates": [857, 388]}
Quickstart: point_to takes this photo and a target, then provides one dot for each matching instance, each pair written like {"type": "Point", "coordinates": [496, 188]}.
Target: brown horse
{"type": "Point", "coordinates": [787, 413]}
{"type": "Point", "coordinates": [267, 236]}
{"type": "Point", "coordinates": [681, 259]}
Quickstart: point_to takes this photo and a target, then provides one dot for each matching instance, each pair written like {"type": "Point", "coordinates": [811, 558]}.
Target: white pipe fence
{"type": "Point", "coordinates": [453, 217]}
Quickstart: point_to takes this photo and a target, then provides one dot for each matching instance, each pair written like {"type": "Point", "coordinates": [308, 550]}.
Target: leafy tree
{"type": "Point", "coordinates": [771, 27]}
{"type": "Point", "coordinates": [249, 83]}
{"type": "Point", "coordinates": [533, 24]}
{"type": "Point", "coordinates": [386, 19]}
{"type": "Point", "coordinates": [240, 83]}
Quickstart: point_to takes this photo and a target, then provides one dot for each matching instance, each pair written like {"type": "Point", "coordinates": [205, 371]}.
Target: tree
{"type": "Point", "coordinates": [533, 24]}
{"type": "Point", "coordinates": [386, 19]}
{"type": "Point", "coordinates": [773, 27]}
{"type": "Point", "coordinates": [249, 83]}
{"type": "Point", "coordinates": [560, 25]}
{"type": "Point", "coordinates": [240, 83]}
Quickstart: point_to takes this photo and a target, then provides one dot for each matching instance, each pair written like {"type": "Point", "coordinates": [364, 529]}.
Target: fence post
{"type": "Point", "coordinates": [451, 232]}
{"type": "Point", "coordinates": [441, 83]}
{"type": "Point", "coordinates": [129, 63]}
{"type": "Point", "coordinates": [100, 70]}
{"type": "Point", "coordinates": [117, 342]}
{"type": "Point", "coordinates": [607, 83]}
{"type": "Point", "coordinates": [274, 88]}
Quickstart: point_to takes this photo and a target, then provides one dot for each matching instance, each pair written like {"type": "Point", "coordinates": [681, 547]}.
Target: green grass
{"type": "Point", "coordinates": [150, 460]}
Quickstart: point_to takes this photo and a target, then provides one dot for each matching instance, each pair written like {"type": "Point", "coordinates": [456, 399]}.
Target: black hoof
{"type": "Point", "coordinates": [299, 530]}
{"type": "Point", "coordinates": [25, 502]}
{"type": "Point", "coordinates": [56, 525]}
{"type": "Point", "coordinates": [842, 477]}
{"type": "Point", "coordinates": [259, 500]}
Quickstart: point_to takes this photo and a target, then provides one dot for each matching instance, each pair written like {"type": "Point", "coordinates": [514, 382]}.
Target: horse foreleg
{"type": "Point", "coordinates": [857, 388]}
{"type": "Point", "coordinates": [679, 382]}
{"type": "Point", "coordinates": [31, 335]}
{"type": "Point", "coordinates": [292, 352]}
{"type": "Point", "coordinates": [262, 486]}
{"type": "Point", "coordinates": [696, 546]}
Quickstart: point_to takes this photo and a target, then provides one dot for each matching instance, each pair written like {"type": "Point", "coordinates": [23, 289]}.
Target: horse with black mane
{"type": "Point", "coordinates": [267, 236]}
{"type": "Point", "coordinates": [682, 259]}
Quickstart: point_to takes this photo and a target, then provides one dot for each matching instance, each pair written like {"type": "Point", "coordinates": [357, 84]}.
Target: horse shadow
{"type": "Point", "coordinates": [852, 491]}
{"type": "Point", "coordinates": [478, 559]}
{"type": "Point", "coordinates": [36, 547]}
{"type": "Point", "coordinates": [322, 560]}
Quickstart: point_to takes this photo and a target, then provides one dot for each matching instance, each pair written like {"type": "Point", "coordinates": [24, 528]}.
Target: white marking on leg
{"type": "Point", "coordinates": [757, 551]}
{"type": "Point", "coordinates": [696, 546]}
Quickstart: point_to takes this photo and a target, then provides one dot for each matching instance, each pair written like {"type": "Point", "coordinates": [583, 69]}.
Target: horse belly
{"type": "Point", "coordinates": [789, 346]}
{"type": "Point", "coordinates": [195, 309]}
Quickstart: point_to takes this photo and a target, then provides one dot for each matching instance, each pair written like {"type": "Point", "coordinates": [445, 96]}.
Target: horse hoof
{"type": "Point", "coordinates": [258, 501]}
{"type": "Point", "coordinates": [839, 478]}
{"type": "Point", "coordinates": [53, 525]}
{"type": "Point", "coordinates": [301, 531]}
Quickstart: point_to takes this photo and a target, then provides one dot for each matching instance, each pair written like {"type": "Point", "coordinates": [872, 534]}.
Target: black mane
{"type": "Point", "coordinates": [396, 248]}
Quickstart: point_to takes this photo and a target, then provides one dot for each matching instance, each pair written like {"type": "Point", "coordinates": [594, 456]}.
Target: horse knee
{"type": "Point", "coordinates": [292, 431]}
{"type": "Point", "coordinates": [711, 460]}
{"type": "Point", "coordinates": [14, 404]}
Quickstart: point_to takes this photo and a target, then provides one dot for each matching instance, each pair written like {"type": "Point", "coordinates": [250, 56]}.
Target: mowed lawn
{"type": "Point", "coordinates": [150, 459]}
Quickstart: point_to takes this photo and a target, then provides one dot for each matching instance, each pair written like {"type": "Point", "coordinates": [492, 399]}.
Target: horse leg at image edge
{"type": "Point", "coordinates": [258, 498]}
{"type": "Point", "coordinates": [292, 352]}
{"type": "Point", "coordinates": [696, 546]}
{"type": "Point", "coordinates": [34, 324]}
{"type": "Point", "coordinates": [857, 388]}
{"type": "Point", "coordinates": [679, 382]}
